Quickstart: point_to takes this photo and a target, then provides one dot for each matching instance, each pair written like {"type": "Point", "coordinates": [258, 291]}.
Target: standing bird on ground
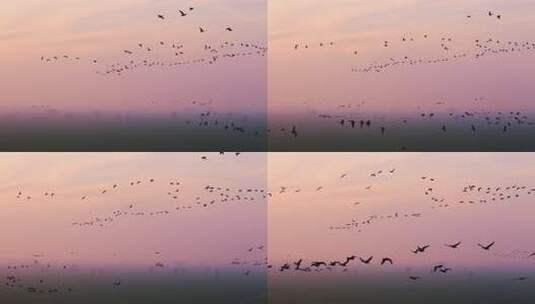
{"type": "Point", "coordinates": [294, 131]}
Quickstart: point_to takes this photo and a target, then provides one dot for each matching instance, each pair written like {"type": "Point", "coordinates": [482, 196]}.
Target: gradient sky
{"type": "Point", "coordinates": [298, 225]}
{"type": "Point", "coordinates": [213, 236]}
{"type": "Point", "coordinates": [103, 29]}
{"type": "Point", "coordinates": [322, 77]}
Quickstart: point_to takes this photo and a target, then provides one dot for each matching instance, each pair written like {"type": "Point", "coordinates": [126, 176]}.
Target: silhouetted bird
{"type": "Point", "coordinates": [298, 264]}
{"type": "Point", "coordinates": [421, 249]}
{"type": "Point", "coordinates": [318, 264]}
{"type": "Point", "coordinates": [366, 261]}
{"type": "Point", "coordinates": [454, 246]}
{"type": "Point", "coordinates": [437, 267]}
{"type": "Point", "coordinates": [487, 247]}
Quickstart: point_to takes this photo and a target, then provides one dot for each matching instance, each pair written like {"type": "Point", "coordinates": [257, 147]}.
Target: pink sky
{"type": "Point", "coordinates": [298, 222]}
{"type": "Point", "coordinates": [42, 225]}
{"type": "Point", "coordinates": [322, 77]}
{"type": "Point", "coordinates": [103, 29]}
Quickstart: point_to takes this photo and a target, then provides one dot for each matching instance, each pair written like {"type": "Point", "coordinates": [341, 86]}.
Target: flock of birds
{"type": "Point", "coordinates": [256, 259]}
{"type": "Point", "coordinates": [215, 196]}
{"type": "Point", "coordinates": [33, 277]}
{"type": "Point", "coordinates": [431, 191]}
{"type": "Point", "coordinates": [451, 49]}
{"type": "Point", "coordinates": [188, 115]}
{"type": "Point", "coordinates": [17, 280]}
{"type": "Point", "coordinates": [481, 48]}
{"type": "Point", "coordinates": [41, 277]}
{"type": "Point", "coordinates": [210, 196]}
{"type": "Point", "coordinates": [468, 195]}
{"type": "Point", "coordinates": [142, 56]}
{"type": "Point", "coordinates": [180, 11]}
{"type": "Point", "coordinates": [470, 121]}
{"type": "Point", "coordinates": [167, 54]}
{"type": "Point", "coordinates": [442, 121]}
{"type": "Point", "coordinates": [243, 125]}
{"type": "Point", "coordinates": [184, 14]}
{"type": "Point", "coordinates": [344, 265]}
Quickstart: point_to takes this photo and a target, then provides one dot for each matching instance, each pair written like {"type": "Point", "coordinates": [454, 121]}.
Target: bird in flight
{"type": "Point", "coordinates": [298, 264]}
{"type": "Point", "coordinates": [161, 16]}
{"type": "Point", "coordinates": [520, 279]}
{"type": "Point", "coordinates": [437, 267]}
{"type": "Point", "coordinates": [285, 267]}
{"type": "Point", "coordinates": [366, 261]}
{"type": "Point", "coordinates": [387, 260]}
{"type": "Point", "coordinates": [487, 247]}
{"type": "Point", "coordinates": [182, 13]}
{"type": "Point", "coordinates": [421, 249]}
{"type": "Point", "coordinates": [202, 30]}
{"type": "Point", "coordinates": [318, 264]}
{"type": "Point", "coordinates": [454, 246]}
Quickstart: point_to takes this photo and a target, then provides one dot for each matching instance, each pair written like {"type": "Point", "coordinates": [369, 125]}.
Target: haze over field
{"type": "Point", "coordinates": [402, 227]}
{"type": "Point", "coordinates": [126, 227]}
{"type": "Point", "coordinates": [416, 75]}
